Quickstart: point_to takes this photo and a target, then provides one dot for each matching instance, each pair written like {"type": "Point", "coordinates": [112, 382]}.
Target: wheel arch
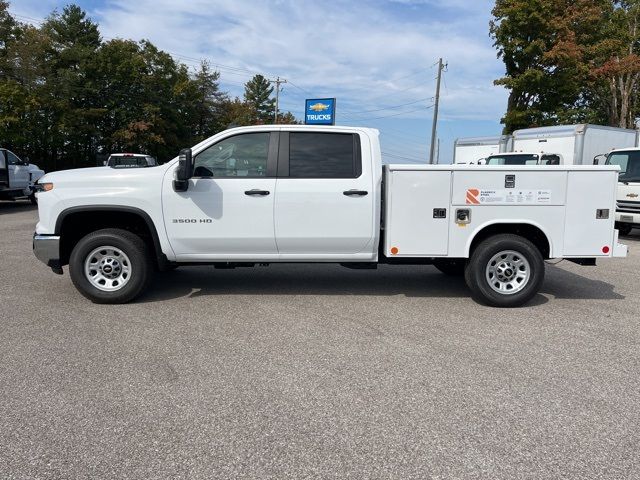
{"type": "Point", "coordinates": [532, 231]}
{"type": "Point", "coordinates": [75, 222]}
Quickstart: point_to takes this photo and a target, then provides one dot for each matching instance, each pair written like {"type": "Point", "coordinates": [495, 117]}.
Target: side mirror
{"type": "Point", "coordinates": [184, 171]}
{"type": "Point", "coordinates": [26, 161]}
{"type": "Point", "coordinates": [596, 159]}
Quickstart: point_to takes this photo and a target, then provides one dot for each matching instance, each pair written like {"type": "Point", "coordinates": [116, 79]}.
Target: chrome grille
{"type": "Point", "coordinates": [627, 206]}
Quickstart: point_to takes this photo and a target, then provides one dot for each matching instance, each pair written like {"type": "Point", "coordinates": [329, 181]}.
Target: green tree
{"type": "Point", "coordinates": [257, 93]}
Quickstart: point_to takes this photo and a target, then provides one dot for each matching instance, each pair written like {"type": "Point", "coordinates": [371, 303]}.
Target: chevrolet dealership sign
{"type": "Point", "coordinates": [320, 111]}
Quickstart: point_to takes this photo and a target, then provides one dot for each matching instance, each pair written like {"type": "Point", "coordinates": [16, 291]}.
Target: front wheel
{"type": "Point", "coordinates": [505, 271]}
{"type": "Point", "coordinates": [110, 266]}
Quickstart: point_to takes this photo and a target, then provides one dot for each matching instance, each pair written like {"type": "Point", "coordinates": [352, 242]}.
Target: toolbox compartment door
{"type": "Point", "coordinates": [417, 213]}
{"type": "Point", "coordinates": [588, 231]}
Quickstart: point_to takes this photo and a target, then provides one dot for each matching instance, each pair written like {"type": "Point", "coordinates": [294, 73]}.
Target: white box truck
{"type": "Point", "coordinates": [471, 150]}
{"type": "Point", "coordinates": [576, 144]}
{"type": "Point", "coordinates": [296, 193]}
{"type": "Point", "coordinates": [628, 199]}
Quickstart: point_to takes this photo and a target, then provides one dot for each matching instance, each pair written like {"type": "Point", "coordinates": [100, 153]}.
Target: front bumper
{"type": "Point", "coordinates": [628, 217]}
{"type": "Point", "coordinates": [46, 248]}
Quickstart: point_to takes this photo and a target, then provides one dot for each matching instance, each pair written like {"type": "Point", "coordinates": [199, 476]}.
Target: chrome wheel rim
{"type": "Point", "coordinates": [508, 272]}
{"type": "Point", "coordinates": [107, 268]}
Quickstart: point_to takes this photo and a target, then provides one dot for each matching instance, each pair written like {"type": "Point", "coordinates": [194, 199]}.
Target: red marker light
{"type": "Point", "coordinates": [605, 249]}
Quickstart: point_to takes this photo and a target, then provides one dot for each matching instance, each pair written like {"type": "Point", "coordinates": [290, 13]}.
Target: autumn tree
{"type": "Point", "coordinates": [568, 61]}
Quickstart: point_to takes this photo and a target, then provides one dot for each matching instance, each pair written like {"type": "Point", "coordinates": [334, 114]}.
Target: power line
{"type": "Point", "coordinates": [391, 107]}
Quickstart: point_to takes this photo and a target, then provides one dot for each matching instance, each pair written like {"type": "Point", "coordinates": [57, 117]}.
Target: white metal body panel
{"type": "Point", "coordinates": [553, 199]}
{"type": "Point", "coordinates": [584, 234]}
{"type": "Point", "coordinates": [565, 146]}
{"type": "Point", "coordinates": [470, 154]}
{"type": "Point", "coordinates": [215, 217]}
{"type": "Point", "coordinates": [313, 216]}
{"type": "Point", "coordinates": [411, 200]}
{"type": "Point", "coordinates": [138, 188]}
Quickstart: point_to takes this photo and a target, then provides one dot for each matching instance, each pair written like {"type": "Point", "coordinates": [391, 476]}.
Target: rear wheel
{"type": "Point", "coordinates": [110, 266]}
{"type": "Point", "coordinates": [505, 271]}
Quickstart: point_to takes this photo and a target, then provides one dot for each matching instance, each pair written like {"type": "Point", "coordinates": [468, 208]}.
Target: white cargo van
{"type": "Point", "coordinates": [296, 193]}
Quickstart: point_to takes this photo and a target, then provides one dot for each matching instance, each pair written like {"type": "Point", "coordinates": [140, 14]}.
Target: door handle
{"type": "Point", "coordinates": [256, 191]}
{"type": "Point", "coordinates": [355, 193]}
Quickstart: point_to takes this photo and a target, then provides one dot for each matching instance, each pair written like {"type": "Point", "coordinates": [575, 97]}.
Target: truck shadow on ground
{"type": "Point", "coordinates": [7, 207]}
{"type": "Point", "coordinates": [317, 279]}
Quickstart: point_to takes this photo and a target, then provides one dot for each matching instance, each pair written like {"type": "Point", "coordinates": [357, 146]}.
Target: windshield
{"type": "Point", "coordinates": [524, 159]}
{"type": "Point", "coordinates": [629, 163]}
{"type": "Point", "coordinates": [129, 161]}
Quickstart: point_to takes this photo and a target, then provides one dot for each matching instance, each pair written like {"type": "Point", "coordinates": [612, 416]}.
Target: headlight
{"type": "Point", "coordinates": [43, 187]}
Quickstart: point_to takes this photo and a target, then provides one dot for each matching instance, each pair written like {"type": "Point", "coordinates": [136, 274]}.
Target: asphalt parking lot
{"type": "Point", "coordinates": [316, 371]}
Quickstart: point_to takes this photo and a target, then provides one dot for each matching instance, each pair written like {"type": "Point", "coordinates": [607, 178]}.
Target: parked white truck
{"type": "Point", "coordinates": [572, 144]}
{"type": "Point", "coordinates": [575, 144]}
{"type": "Point", "coordinates": [628, 200]}
{"type": "Point", "coordinates": [256, 195]}
{"type": "Point", "coordinates": [17, 177]}
{"type": "Point", "coordinates": [473, 150]}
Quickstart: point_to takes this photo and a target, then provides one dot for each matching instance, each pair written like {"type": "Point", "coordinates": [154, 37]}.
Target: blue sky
{"type": "Point", "coordinates": [375, 55]}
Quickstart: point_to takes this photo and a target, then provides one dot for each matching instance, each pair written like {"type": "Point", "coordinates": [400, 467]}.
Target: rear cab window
{"type": "Point", "coordinates": [323, 155]}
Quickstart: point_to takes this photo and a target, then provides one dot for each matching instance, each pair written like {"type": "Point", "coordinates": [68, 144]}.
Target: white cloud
{"type": "Point", "coordinates": [360, 52]}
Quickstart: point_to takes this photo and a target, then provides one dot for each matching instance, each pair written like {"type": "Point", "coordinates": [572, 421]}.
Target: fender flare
{"type": "Point", "coordinates": [160, 256]}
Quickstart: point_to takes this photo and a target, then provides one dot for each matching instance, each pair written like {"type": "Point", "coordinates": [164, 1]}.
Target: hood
{"type": "Point", "coordinates": [101, 175]}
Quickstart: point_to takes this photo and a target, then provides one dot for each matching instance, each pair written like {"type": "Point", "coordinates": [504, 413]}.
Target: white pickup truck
{"type": "Point", "coordinates": [257, 195]}
{"type": "Point", "coordinates": [17, 177]}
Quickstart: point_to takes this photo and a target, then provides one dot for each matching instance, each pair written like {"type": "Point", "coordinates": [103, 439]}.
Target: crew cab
{"type": "Point", "coordinates": [628, 197]}
{"type": "Point", "coordinates": [17, 177]}
{"type": "Point", "coordinates": [295, 193]}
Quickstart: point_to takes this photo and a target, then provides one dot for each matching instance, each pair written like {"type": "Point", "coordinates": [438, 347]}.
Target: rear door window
{"type": "Point", "coordinates": [324, 155]}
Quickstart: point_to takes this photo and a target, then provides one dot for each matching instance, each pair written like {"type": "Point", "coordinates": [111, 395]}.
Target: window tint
{"type": "Point", "coordinates": [513, 160]}
{"type": "Point", "coordinates": [3, 160]}
{"type": "Point", "coordinates": [128, 161]}
{"type": "Point", "coordinates": [13, 159]}
{"type": "Point", "coordinates": [238, 156]}
{"type": "Point", "coordinates": [323, 155]}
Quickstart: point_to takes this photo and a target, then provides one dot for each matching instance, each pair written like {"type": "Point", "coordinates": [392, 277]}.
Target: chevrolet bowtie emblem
{"type": "Point", "coordinates": [632, 195]}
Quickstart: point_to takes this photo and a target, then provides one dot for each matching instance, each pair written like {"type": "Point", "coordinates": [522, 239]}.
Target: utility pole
{"type": "Point", "coordinates": [441, 67]}
{"type": "Point", "coordinates": [277, 81]}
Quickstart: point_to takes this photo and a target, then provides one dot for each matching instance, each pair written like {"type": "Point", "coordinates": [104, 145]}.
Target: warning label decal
{"type": "Point", "coordinates": [510, 196]}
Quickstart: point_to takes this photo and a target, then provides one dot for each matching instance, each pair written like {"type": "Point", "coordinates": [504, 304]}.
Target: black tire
{"type": "Point", "coordinates": [138, 259]}
{"type": "Point", "coordinates": [478, 270]}
{"type": "Point", "coordinates": [33, 199]}
{"type": "Point", "coordinates": [452, 267]}
{"type": "Point", "coordinates": [624, 228]}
